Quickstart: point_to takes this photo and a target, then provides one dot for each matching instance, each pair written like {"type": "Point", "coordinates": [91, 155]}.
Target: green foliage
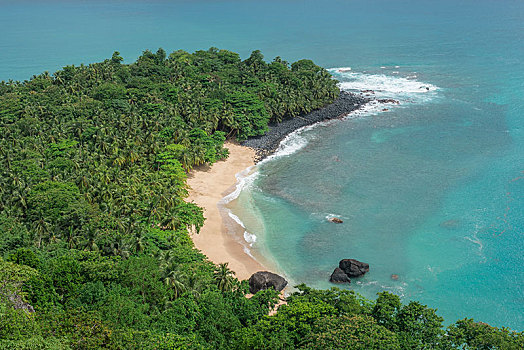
{"type": "Point", "coordinates": [386, 310]}
{"type": "Point", "coordinates": [13, 279]}
{"type": "Point", "coordinates": [34, 342]}
{"type": "Point", "coordinates": [250, 115]}
{"type": "Point", "coordinates": [61, 149]}
{"type": "Point", "coordinates": [24, 256]}
{"type": "Point", "coordinates": [15, 324]}
{"type": "Point", "coordinates": [468, 334]}
{"type": "Point", "coordinates": [344, 301]}
{"type": "Point", "coordinates": [13, 234]}
{"type": "Point", "coordinates": [95, 249]}
{"type": "Point", "coordinates": [56, 208]}
{"type": "Point", "coordinates": [359, 332]}
{"type": "Point", "coordinates": [419, 326]}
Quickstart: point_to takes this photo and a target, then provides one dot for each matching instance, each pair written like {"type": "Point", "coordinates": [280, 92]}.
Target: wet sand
{"type": "Point", "coordinates": [208, 185]}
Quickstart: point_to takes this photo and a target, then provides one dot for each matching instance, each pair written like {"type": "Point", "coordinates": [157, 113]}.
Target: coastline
{"type": "Point", "coordinates": [268, 143]}
{"type": "Point", "coordinates": [220, 237]}
{"type": "Point", "coordinates": [208, 186]}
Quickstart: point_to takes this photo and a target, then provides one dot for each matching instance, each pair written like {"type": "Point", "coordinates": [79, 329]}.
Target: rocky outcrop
{"type": "Point", "coordinates": [264, 280]}
{"type": "Point", "coordinates": [268, 143]}
{"type": "Point", "coordinates": [339, 276]}
{"type": "Point", "coordinates": [336, 220]}
{"type": "Point", "coordinates": [353, 268]}
{"type": "Point", "coordinates": [348, 268]}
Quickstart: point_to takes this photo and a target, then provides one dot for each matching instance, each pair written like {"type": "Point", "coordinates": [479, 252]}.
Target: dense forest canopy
{"type": "Point", "coordinates": [94, 226]}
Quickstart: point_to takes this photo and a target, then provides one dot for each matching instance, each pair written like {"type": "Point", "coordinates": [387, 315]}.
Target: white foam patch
{"type": "Point", "coordinates": [290, 144]}
{"type": "Point", "coordinates": [244, 178]}
{"type": "Point", "coordinates": [248, 252]}
{"type": "Point", "coordinates": [404, 89]}
{"type": "Point", "coordinates": [236, 219]}
{"type": "Point", "coordinates": [332, 216]}
{"type": "Point", "coordinates": [250, 238]}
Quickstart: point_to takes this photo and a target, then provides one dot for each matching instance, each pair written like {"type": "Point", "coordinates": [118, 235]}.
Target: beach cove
{"type": "Point", "coordinates": [430, 190]}
{"type": "Point", "coordinates": [208, 186]}
{"type": "Point", "coordinates": [223, 237]}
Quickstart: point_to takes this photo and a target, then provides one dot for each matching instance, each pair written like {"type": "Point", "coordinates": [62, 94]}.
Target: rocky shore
{"type": "Point", "coordinates": [267, 144]}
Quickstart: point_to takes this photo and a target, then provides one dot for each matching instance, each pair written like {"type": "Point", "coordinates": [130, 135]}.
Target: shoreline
{"type": "Point", "coordinates": [220, 237]}
{"type": "Point", "coordinates": [208, 186]}
{"type": "Point", "coordinates": [268, 143]}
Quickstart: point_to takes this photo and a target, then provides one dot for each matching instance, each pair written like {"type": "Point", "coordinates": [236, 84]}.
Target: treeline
{"type": "Point", "coordinates": [94, 243]}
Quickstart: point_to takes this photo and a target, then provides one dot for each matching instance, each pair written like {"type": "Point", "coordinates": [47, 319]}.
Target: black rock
{"type": "Point", "coordinates": [388, 100]}
{"type": "Point", "coordinates": [268, 143]}
{"type": "Point", "coordinates": [353, 268]}
{"type": "Point", "coordinates": [339, 276]}
{"type": "Point", "coordinates": [335, 220]}
{"type": "Point", "coordinates": [264, 280]}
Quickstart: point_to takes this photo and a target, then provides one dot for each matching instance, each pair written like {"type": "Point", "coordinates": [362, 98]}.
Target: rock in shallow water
{"type": "Point", "coordinates": [353, 268]}
{"type": "Point", "coordinates": [264, 280]}
{"type": "Point", "coordinates": [339, 276]}
{"type": "Point", "coordinates": [336, 220]}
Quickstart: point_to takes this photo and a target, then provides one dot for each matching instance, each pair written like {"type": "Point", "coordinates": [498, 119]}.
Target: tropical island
{"type": "Point", "coordinates": [96, 224]}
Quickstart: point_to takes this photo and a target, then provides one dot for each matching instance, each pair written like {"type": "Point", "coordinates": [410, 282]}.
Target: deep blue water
{"type": "Point", "coordinates": [431, 190]}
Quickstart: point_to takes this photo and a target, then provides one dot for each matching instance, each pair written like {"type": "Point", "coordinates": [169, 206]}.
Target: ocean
{"type": "Point", "coordinates": [430, 190]}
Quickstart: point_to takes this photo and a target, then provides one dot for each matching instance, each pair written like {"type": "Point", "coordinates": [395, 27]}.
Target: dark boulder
{"type": "Point", "coordinates": [353, 268]}
{"type": "Point", "coordinates": [336, 220]}
{"type": "Point", "coordinates": [339, 276]}
{"type": "Point", "coordinates": [388, 100]}
{"type": "Point", "coordinates": [264, 280]}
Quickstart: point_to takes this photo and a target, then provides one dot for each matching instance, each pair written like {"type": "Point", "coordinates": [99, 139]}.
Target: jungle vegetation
{"type": "Point", "coordinates": [94, 224]}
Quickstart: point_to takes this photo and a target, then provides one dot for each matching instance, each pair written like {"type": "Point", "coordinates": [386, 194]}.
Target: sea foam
{"type": "Point", "coordinates": [244, 178]}
{"type": "Point", "coordinates": [403, 89]}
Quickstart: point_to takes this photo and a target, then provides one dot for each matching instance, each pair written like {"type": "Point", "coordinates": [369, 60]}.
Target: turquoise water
{"type": "Point", "coordinates": [431, 190]}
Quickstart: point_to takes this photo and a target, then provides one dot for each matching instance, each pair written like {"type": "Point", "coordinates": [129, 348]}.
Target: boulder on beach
{"type": "Point", "coordinates": [335, 220]}
{"type": "Point", "coordinates": [262, 280]}
{"type": "Point", "coordinates": [353, 268]}
{"type": "Point", "coordinates": [339, 276]}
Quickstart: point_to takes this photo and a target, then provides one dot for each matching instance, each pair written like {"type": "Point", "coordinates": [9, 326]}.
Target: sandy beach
{"type": "Point", "coordinates": [208, 185]}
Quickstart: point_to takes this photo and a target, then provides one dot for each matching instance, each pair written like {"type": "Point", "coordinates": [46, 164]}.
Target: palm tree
{"type": "Point", "coordinates": [120, 248]}
{"type": "Point", "coordinates": [90, 239]}
{"type": "Point", "coordinates": [138, 242]}
{"type": "Point", "coordinates": [224, 277]}
{"type": "Point", "coordinates": [194, 284]}
{"type": "Point", "coordinates": [41, 228]}
{"type": "Point", "coordinates": [71, 237]}
{"type": "Point", "coordinates": [175, 280]}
